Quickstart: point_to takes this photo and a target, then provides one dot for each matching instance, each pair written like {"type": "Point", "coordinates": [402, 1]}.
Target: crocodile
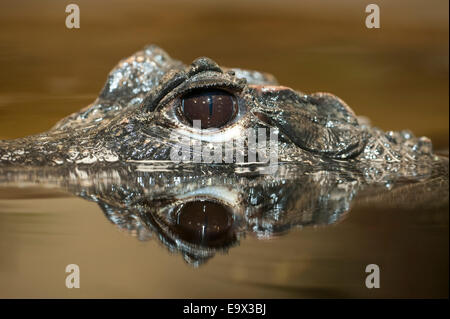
{"type": "Point", "coordinates": [151, 103]}
{"type": "Point", "coordinates": [118, 152]}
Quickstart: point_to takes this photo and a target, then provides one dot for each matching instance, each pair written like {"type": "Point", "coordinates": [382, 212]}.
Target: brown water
{"type": "Point", "coordinates": [397, 76]}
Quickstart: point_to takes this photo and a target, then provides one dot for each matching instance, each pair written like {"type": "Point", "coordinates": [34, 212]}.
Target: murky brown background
{"type": "Point", "coordinates": [396, 75]}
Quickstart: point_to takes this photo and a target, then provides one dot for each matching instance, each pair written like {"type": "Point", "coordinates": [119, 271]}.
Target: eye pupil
{"type": "Point", "coordinates": [214, 108]}
{"type": "Point", "coordinates": [204, 222]}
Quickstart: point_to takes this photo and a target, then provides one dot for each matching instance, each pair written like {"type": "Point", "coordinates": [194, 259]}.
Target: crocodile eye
{"type": "Point", "coordinates": [214, 108]}
{"type": "Point", "coordinates": [203, 222]}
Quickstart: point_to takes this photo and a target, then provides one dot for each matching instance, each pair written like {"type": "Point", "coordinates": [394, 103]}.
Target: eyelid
{"type": "Point", "coordinates": [213, 82]}
{"type": "Point", "coordinates": [153, 100]}
{"type": "Point", "coordinates": [232, 87]}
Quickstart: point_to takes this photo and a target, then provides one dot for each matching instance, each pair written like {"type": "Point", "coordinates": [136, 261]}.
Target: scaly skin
{"type": "Point", "coordinates": [134, 119]}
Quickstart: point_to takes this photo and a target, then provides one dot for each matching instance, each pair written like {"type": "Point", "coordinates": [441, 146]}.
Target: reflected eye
{"type": "Point", "coordinates": [214, 108]}
{"type": "Point", "coordinates": [204, 222]}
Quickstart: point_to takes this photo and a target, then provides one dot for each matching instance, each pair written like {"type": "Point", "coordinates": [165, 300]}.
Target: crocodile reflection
{"type": "Point", "coordinates": [201, 210]}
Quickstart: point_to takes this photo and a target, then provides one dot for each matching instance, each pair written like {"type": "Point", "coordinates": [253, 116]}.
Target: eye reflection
{"type": "Point", "coordinates": [204, 222]}
{"type": "Point", "coordinates": [214, 108]}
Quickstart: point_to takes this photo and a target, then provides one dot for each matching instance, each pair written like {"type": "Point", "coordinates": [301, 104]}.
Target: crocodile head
{"type": "Point", "coordinates": [154, 108]}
